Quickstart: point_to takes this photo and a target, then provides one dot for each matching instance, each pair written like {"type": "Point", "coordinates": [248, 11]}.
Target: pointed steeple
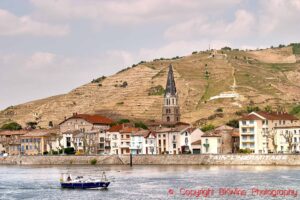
{"type": "Point", "coordinates": [170, 87]}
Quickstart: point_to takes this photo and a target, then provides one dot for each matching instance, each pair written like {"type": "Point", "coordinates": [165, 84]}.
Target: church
{"type": "Point", "coordinates": [171, 109]}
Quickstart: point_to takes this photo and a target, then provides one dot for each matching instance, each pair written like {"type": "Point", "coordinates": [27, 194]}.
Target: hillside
{"type": "Point", "coordinates": [263, 77]}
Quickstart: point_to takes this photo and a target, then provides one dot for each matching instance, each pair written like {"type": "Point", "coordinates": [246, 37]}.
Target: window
{"type": "Point", "coordinates": [295, 139]}
{"type": "Point", "coordinates": [168, 119]}
{"type": "Point", "coordinates": [252, 137]}
{"type": "Point", "coordinates": [244, 137]}
{"type": "Point", "coordinates": [251, 122]}
{"type": "Point", "coordinates": [101, 139]}
{"type": "Point", "coordinates": [244, 130]}
{"type": "Point", "coordinates": [164, 135]}
{"type": "Point", "coordinates": [251, 130]}
{"type": "Point", "coordinates": [283, 122]}
{"type": "Point", "coordinates": [206, 141]}
{"type": "Point", "coordinates": [186, 133]}
{"type": "Point", "coordinates": [174, 137]}
{"type": "Point", "coordinates": [174, 146]}
{"type": "Point", "coordinates": [244, 122]}
{"type": "Point", "coordinates": [127, 136]}
{"type": "Point", "coordinates": [219, 140]}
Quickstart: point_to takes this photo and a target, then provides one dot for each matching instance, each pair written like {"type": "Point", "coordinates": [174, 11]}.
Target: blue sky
{"type": "Point", "coordinates": [49, 47]}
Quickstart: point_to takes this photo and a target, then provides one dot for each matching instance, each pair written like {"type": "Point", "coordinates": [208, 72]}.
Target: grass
{"type": "Point", "coordinates": [296, 48]}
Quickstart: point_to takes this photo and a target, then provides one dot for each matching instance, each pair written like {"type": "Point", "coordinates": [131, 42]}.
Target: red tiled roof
{"type": "Point", "coordinates": [277, 116]}
{"type": "Point", "coordinates": [213, 133]}
{"type": "Point", "coordinates": [251, 117]}
{"type": "Point", "coordinates": [116, 128]}
{"type": "Point", "coordinates": [40, 132]}
{"type": "Point", "coordinates": [150, 133]}
{"type": "Point", "coordinates": [129, 130]}
{"type": "Point", "coordinates": [19, 132]}
{"type": "Point", "coordinates": [198, 142]}
{"type": "Point", "coordinates": [269, 116]}
{"type": "Point", "coordinates": [93, 119]}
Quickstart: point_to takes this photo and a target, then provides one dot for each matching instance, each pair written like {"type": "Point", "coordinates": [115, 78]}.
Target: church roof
{"type": "Point", "coordinates": [170, 87]}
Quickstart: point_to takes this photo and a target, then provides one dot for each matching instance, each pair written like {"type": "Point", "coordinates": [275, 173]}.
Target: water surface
{"type": "Point", "coordinates": [148, 182]}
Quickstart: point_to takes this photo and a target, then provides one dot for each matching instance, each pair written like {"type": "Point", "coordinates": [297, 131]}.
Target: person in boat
{"type": "Point", "coordinates": [69, 178]}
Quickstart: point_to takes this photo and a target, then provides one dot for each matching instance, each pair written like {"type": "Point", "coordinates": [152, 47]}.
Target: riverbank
{"type": "Point", "coordinates": [220, 159]}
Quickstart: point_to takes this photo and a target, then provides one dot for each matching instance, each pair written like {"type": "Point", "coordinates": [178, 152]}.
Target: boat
{"type": "Point", "coordinates": [81, 183]}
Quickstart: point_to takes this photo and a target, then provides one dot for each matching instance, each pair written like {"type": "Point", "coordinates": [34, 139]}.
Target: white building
{"type": "Point", "coordinates": [211, 142]}
{"type": "Point", "coordinates": [150, 146]}
{"type": "Point", "coordinates": [260, 132]}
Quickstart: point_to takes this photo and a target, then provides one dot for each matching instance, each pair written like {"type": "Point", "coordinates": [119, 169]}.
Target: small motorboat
{"type": "Point", "coordinates": [81, 183]}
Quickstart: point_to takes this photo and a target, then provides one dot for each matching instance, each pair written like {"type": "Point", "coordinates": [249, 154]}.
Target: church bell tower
{"type": "Point", "coordinates": [171, 111]}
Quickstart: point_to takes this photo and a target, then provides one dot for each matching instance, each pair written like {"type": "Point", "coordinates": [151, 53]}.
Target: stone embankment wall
{"type": "Point", "coordinates": [229, 159]}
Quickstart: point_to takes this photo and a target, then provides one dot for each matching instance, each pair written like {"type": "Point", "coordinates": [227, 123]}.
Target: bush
{"type": "Point", "coordinates": [219, 110]}
{"type": "Point", "coordinates": [98, 80]}
{"type": "Point", "coordinates": [140, 125]}
{"type": "Point", "coordinates": [122, 121]}
{"type": "Point", "coordinates": [233, 123]}
{"type": "Point", "coordinates": [207, 127]}
{"type": "Point", "coordinates": [268, 108]}
{"type": "Point", "coordinates": [252, 109]}
{"type": "Point", "coordinates": [31, 125]}
{"type": "Point", "coordinates": [295, 110]}
{"type": "Point", "coordinates": [157, 90]}
{"type": "Point", "coordinates": [226, 49]}
{"type": "Point", "coordinates": [69, 151]}
{"type": "Point", "coordinates": [246, 151]}
{"type": "Point", "coordinates": [93, 161]}
{"type": "Point", "coordinates": [194, 52]}
{"type": "Point", "coordinates": [11, 126]}
{"type": "Point", "coordinates": [296, 48]}
{"type": "Point", "coordinates": [45, 153]}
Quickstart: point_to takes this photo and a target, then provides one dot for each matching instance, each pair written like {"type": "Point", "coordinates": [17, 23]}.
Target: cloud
{"type": "Point", "coordinates": [40, 60]}
{"type": "Point", "coordinates": [11, 25]}
{"type": "Point", "coordinates": [127, 11]}
{"type": "Point", "coordinates": [203, 27]}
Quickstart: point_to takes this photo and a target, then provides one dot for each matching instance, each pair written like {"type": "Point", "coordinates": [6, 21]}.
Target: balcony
{"type": "Point", "coordinates": [247, 133]}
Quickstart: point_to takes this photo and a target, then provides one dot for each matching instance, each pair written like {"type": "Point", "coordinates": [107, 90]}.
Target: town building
{"type": "Point", "coordinates": [211, 141]}
{"type": "Point", "coordinates": [10, 141]}
{"type": "Point", "coordinates": [137, 141]}
{"type": "Point", "coordinates": [176, 140]}
{"type": "Point", "coordinates": [126, 133]}
{"type": "Point", "coordinates": [39, 142]}
{"type": "Point", "coordinates": [150, 146]}
{"type": "Point", "coordinates": [222, 140]}
{"type": "Point", "coordinates": [263, 132]}
{"type": "Point", "coordinates": [171, 110]}
{"type": "Point", "coordinates": [115, 138]}
{"type": "Point", "coordinates": [93, 129]}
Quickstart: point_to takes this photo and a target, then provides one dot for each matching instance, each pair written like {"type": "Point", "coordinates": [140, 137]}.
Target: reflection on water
{"type": "Point", "coordinates": [146, 182]}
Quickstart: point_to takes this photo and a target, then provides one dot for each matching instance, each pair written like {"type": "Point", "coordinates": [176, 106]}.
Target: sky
{"type": "Point", "coordinates": [49, 47]}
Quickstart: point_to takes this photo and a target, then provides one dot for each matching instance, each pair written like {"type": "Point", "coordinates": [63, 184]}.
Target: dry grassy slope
{"type": "Point", "coordinates": [258, 75]}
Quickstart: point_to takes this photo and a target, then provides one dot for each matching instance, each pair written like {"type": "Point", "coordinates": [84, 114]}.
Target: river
{"type": "Point", "coordinates": [154, 182]}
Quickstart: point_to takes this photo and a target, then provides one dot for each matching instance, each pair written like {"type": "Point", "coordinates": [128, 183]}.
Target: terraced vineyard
{"type": "Point", "coordinates": [265, 77]}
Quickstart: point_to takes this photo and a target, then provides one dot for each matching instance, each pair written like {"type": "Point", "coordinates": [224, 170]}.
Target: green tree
{"type": "Point", "coordinates": [11, 126]}
{"type": "Point", "coordinates": [268, 108]}
{"type": "Point", "coordinates": [140, 125]}
{"type": "Point", "coordinates": [207, 127]}
{"type": "Point", "coordinates": [233, 123]}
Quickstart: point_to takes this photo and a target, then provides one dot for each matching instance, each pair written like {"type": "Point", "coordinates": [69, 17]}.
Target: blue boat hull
{"type": "Point", "coordinates": [90, 185]}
